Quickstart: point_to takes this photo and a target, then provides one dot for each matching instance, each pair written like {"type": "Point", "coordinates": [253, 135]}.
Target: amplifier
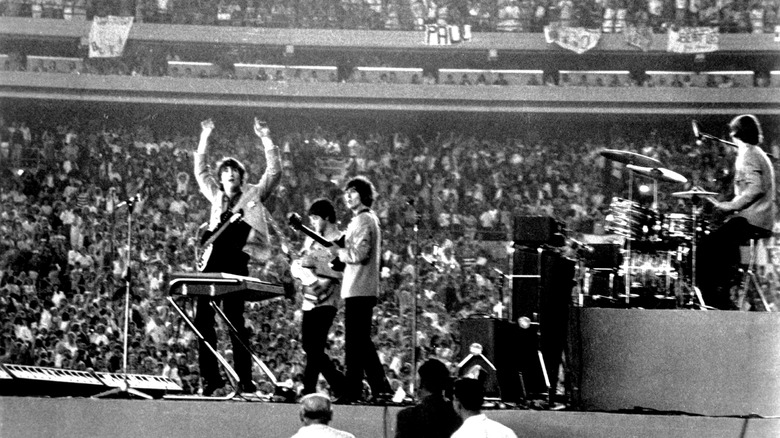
{"type": "Point", "coordinates": [538, 230]}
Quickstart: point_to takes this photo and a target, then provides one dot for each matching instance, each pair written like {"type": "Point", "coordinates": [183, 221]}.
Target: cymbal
{"type": "Point", "coordinates": [628, 157]}
{"type": "Point", "coordinates": [694, 192]}
{"type": "Point", "coordinates": [659, 173]}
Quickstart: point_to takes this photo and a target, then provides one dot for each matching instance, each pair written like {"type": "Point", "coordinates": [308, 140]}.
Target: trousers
{"type": "Point", "coordinates": [314, 336]}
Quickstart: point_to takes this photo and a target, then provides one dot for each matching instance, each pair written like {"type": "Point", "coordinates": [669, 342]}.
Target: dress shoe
{"type": "Point", "coordinates": [211, 388]}
{"type": "Point", "coordinates": [246, 388]}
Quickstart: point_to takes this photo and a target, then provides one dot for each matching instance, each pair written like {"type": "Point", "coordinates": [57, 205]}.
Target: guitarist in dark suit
{"type": "Point", "coordinates": [322, 286]}
{"type": "Point", "coordinates": [241, 239]}
{"type": "Point", "coordinates": [751, 210]}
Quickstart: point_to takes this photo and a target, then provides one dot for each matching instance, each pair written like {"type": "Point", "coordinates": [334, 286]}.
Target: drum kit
{"type": "Point", "coordinates": [658, 267]}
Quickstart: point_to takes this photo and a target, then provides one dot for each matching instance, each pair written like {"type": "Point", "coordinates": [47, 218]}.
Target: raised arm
{"type": "Point", "coordinates": [273, 168]}
{"type": "Point", "coordinates": [206, 181]}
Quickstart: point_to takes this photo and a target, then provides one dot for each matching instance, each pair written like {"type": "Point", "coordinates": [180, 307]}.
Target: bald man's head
{"type": "Point", "coordinates": [316, 408]}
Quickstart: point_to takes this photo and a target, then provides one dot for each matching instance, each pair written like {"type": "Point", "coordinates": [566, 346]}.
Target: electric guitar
{"type": "Point", "coordinates": [297, 224]}
{"type": "Point", "coordinates": [209, 237]}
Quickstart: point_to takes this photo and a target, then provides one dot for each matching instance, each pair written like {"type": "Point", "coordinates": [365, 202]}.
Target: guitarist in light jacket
{"type": "Point", "coordinates": [244, 237]}
{"type": "Point", "coordinates": [360, 291]}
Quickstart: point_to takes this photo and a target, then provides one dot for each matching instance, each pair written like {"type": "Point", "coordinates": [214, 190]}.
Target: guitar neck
{"type": "Point", "coordinates": [222, 228]}
{"type": "Point", "coordinates": [296, 223]}
{"type": "Point", "coordinates": [316, 237]}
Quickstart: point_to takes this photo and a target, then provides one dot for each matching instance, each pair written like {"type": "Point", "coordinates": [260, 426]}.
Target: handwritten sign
{"type": "Point", "coordinates": [576, 39]}
{"type": "Point", "coordinates": [693, 40]}
{"type": "Point", "coordinates": [108, 36]}
{"type": "Point", "coordinates": [333, 168]}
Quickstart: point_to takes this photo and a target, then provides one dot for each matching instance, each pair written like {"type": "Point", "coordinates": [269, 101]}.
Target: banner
{"type": "Point", "coordinates": [576, 39]}
{"type": "Point", "coordinates": [446, 34]}
{"type": "Point", "coordinates": [641, 37]}
{"type": "Point", "coordinates": [693, 40]}
{"type": "Point", "coordinates": [108, 36]}
{"type": "Point", "coordinates": [332, 168]}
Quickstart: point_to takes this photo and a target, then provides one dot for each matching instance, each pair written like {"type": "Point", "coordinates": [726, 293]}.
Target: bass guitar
{"type": "Point", "coordinates": [209, 237]}
{"type": "Point", "coordinates": [296, 223]}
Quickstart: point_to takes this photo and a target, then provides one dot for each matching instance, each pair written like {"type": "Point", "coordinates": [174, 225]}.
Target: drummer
{"type": "Point", "coordinates": [751, 214]}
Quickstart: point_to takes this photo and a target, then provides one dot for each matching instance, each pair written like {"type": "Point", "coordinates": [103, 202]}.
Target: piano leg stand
{"type": "Point", "coordinates": [256, 359]}
{"type": "Point", "coordinates": [230, 371]}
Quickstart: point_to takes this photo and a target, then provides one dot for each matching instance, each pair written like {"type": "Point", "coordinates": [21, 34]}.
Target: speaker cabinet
{"type": "Point", "coordinates": [541, 292]}
{"type": "Point", "coordinates": [505, 353]}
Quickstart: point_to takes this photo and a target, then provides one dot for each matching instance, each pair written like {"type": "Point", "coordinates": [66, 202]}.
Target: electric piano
{"type": "Point", "coordinates": [221, 285]}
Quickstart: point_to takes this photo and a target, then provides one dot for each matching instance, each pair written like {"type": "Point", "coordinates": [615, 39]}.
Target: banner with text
{"type": "Point", "coordinates": [332, 168]}
{"type": "Point", "coordinates": [446, 34]}
{"type": "Point", "coordinates": [693, 40]}
{"type": "Point", "coordinates": [576, 39]}
{"type": "Point", "coordinates": [108, 36]}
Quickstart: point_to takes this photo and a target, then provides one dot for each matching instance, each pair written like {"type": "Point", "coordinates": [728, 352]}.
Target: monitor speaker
{"type": "Point", "coordinates": [494, 351]}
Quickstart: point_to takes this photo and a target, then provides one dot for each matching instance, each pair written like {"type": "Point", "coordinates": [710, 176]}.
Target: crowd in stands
{"type": "Point", "coordinates": [757, 16]}
{"type": "Point", "coordinates": [64, 243]}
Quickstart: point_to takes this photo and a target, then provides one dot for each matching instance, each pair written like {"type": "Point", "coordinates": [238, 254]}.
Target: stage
{"type": "Point", "coordinates": [633, 373]}
{"type": "Point", "coordinates": [28, 417]}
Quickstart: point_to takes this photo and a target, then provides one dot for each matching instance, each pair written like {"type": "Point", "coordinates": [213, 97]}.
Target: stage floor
{"type": "Point", "coordinates": [713, 374]}
{"type": "Point", "coordinates": [31, 417]}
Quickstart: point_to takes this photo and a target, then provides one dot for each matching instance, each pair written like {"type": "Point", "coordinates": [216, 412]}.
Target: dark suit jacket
{"type": "Point", "coordinates": [433, 417]}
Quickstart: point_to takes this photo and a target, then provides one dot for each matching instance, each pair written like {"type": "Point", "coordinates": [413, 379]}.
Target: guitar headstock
{"type": "Point", "coordinates": [295, 221]}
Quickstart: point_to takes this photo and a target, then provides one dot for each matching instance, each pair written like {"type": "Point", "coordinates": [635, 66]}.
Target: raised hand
{"type": "Point", "coordinates": [261, 128]}
{"type": "Point", "coordinates": [207, 126]}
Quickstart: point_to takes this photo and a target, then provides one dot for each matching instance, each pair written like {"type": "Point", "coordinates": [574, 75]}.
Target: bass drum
{"type": "Point", "coordinates": [631, 220]}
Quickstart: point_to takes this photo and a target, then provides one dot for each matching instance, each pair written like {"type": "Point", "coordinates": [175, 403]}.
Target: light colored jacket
{"type": "Point", "coordinates": [754, 187]}
{"type": "Point", "coordinates": [251, 201]}
{"type": "Point", "coordinates": [361, 253]}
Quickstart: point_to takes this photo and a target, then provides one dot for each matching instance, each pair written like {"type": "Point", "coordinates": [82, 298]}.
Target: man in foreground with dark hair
{"type": "Point", "coordinates": [315, 414]}
{"type": "Point", "coordinates": [751, 213]}
{"type": "Point", "coordinates": [433, 416]}
{"type": "Point", "coordinates": [360, 291]}
{"type": "Point", "coordinates": [467, 400]}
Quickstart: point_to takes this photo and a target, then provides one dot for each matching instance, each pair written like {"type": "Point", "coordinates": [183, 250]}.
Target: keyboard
{"type": "Point", "coordinates": [221, 285]}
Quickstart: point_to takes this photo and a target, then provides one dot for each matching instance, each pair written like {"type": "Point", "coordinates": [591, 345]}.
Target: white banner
{"type": "Point", "coordinates": [108, 36]}
{"type": "Point", "coordinates": [576, 39]}
{"type": "Point", "coordinates": [693, 40]}
{"type": "Point", "coordinates": [332, 168]}
{"type": "Point", "coordinates": [446, 34]}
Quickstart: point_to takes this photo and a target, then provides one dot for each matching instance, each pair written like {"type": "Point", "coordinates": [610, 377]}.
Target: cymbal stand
{"type": "Point", "coordinates": [125, 388]}
{"type": "Point", "coordinates": [695, 215]}
{"type": "Point", "coordinates": [627, 258]}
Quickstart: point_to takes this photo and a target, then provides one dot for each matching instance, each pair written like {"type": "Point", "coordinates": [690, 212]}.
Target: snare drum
{"type": "Point", "coordinates": [629, 219]}
{"type": "Point", "coordinates": [680, 227]}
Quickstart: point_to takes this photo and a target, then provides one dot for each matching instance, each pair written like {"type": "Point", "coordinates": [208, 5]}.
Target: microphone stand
{"type": "Point", "coordinates": [415, 290]}
{"type": "Point", "coordinates": [124, 388]}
